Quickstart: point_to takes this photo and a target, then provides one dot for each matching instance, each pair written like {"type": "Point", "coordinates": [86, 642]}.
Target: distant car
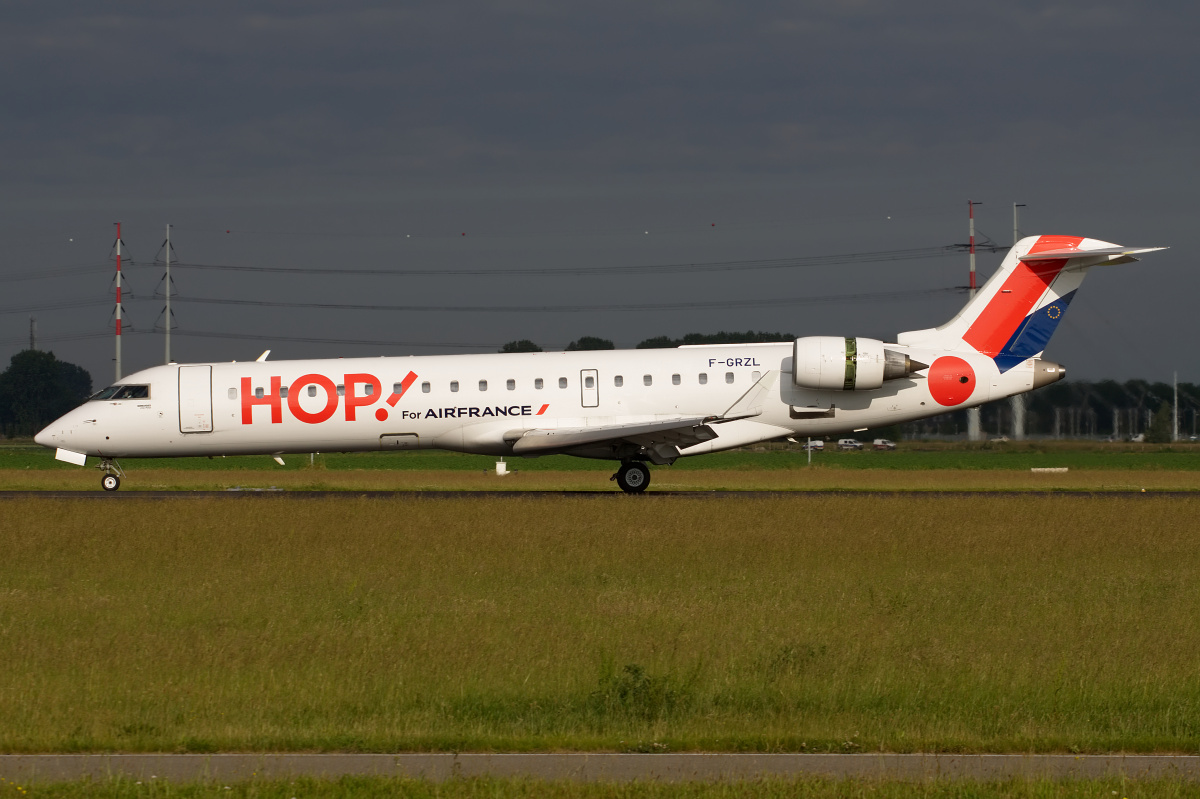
{"type": "Point", "coordinates": [849, 443]}
{"type": "Point", "coordinates": [883, 443]}
{"type": "Point", "coordinates": [815, 446]}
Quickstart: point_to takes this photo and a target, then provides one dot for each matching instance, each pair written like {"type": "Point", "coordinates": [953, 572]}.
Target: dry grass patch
{"type": "Point", "coordinates": [796, 623]}
{"type": "Point", "coordinates": [355, 787]}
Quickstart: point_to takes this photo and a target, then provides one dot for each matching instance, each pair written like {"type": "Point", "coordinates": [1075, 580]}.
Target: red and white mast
{"type": "Point", "coordinates": [118, 336]}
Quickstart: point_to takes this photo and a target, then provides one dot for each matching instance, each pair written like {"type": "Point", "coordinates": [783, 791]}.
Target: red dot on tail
{"type": "Point", "coordinates": [381, 414]}
{"type": "Point", "coordinates": [951, 380]}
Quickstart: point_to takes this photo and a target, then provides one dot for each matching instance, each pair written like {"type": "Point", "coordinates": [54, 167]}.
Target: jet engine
{"type": "Point", "coordinates": [848, 364]}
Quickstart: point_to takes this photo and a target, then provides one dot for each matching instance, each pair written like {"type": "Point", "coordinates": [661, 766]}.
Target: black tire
{"type": "Point", "coordinates": [110, 482]}
{"type": "Point", "coordinates": [633, 478]}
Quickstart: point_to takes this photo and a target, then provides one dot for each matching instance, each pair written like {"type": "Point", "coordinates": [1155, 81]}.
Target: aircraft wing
{"type": "Point", "coordinates": [683, 431]}
{"type": "Point", "coordinates": [660, 440]}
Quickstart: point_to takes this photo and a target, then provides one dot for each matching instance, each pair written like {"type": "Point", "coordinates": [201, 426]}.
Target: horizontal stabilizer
{"type": "Point", "coordinates": [1055, 255]}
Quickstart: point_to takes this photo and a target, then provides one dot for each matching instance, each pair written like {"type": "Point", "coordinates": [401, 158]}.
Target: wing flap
{"type": "Point", "coordinates": [690, 429]}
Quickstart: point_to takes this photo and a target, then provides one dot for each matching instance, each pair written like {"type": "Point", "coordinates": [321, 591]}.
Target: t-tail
{"type": "Point", "coordinates": [1015, 313]}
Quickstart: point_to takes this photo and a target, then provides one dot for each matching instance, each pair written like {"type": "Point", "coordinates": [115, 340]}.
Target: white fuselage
{"type": "Point", "coordinates": [482, 403]}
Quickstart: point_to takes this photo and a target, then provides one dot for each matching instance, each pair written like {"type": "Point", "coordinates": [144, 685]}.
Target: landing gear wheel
{"type": "Point", "coordinates": [110, 482]}
{"type": "Point", "coordinates": [633, 477]}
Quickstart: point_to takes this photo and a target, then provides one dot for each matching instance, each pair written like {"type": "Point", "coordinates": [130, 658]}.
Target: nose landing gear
{"type": "Point", "coordinates": [113, 473]}
{"type": "Point", "coordinates": [633, 477]}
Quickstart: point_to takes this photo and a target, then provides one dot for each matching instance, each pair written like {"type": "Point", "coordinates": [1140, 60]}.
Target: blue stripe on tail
{"type": "Point", "coordinates": [1032, 335]}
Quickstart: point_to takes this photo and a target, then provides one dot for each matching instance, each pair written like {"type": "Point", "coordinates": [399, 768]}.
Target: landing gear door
{"type": "Point", "coordinates": [589, 382]}
{"type": "Point", "coordinates": [195, 399]}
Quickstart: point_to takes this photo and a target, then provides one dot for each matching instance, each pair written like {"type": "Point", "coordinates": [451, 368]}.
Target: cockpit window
{"type": "Point", "coordinates": [122, 393]}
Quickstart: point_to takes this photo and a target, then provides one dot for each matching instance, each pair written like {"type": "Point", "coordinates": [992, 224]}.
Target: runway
{"type": "Point", "coordinates": [586, 767]}
{"type": "Point", "coordinates": [260, 493]}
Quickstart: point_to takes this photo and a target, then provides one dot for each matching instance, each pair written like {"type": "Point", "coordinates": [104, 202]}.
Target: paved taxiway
{"type": "Point", "coordinates": [587, 767]}
{"type": "Point", "coordinates": [116, 496]}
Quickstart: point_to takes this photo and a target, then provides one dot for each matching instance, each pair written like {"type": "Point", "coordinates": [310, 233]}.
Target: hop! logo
{"type": "Point", "coordinates": [354, 400]}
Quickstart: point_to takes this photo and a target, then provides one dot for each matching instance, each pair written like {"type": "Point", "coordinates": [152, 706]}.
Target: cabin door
{"type": "Point", "coordinates": [589, 382]}
{"type": "Point", "coordinates": [195, 399]}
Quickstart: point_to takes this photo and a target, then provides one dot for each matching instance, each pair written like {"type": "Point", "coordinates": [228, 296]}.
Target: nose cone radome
{"type": "Point", "coordinates": [45, 438]}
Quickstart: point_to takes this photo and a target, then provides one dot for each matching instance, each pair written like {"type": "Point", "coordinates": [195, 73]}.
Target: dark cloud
{"type": "Point", "coordinates": [554, 132]}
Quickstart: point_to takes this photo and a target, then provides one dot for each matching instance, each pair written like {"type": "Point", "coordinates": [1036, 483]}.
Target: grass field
{"type": "Point", "coordinates": [614, 623]}
{"type": "Point", "coordinates": [665, 479]}
{"type": "Point", "coordinates": [774, 457]}
{"type": "Point", "coordinates": [359, 788]}
{"type": "Point", "coordinates": [918, 466]}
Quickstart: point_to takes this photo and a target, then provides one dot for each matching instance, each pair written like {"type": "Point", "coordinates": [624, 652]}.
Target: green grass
{"type": "Point", "coordinates": [1019, 456]}
{"type": "Point", "coordinates": [354, 787]}
{"type": "Point", "coordinates": [614, 623]}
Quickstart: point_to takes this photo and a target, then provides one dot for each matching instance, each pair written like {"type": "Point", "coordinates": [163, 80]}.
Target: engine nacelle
{"type": "Point", "coordinates": [847, 364]}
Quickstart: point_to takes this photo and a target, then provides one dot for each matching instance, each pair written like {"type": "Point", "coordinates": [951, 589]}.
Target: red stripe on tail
{"type": "Point", "coordinates": [996, 323]}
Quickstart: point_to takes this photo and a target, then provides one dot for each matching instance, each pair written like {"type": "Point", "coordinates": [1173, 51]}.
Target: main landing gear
{"type": "Point", "coordinates": [632, 477]}
{"type": "Point", "coordinates": [113, 473]}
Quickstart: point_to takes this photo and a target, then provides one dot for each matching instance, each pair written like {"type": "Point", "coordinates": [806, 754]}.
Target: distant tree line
{"type": "Point", "coordinates": [658, 342]}
{"type": "Point", "coordinates": [1082, 409]}
{"type": "Point", "coordinates": [36, 389]}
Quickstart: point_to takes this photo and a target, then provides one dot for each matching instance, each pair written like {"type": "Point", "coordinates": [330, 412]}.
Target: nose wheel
{"type": "Point", "coordinates": [633, 477]}
{"type": "Point", "coordinates": [111, 480]}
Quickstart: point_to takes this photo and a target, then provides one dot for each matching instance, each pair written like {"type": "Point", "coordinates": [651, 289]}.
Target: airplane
{"type": "Point", "coordinates": [636, 407]}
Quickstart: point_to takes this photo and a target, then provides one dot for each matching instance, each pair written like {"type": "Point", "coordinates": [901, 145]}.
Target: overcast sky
{"type": "Point", "coordinates": [560, 136]}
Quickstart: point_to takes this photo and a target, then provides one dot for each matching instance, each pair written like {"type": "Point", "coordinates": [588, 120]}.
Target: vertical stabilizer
{"type": "Point", "coordinates": [1014, 314]}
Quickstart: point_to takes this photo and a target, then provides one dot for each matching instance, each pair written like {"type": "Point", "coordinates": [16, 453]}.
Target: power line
{"type": "Point", "coordinates": [799, 262]}
{"type": "Point", "coordinates": [63, 271]}
{"type": "Point", "coordinates": [317, 340]}
{"type": "Point", "coordinates": [55, 306]}
{"type": "Point", "coordinates": [663, 306]}
{"type": "Point", "coordinates": [260, 337]}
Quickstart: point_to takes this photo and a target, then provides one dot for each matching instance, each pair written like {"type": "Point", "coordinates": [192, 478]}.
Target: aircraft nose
{"type": "Point", "coordinates": [45, 437]}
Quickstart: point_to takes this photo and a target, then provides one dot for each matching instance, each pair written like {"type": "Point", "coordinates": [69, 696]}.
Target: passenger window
{"type": "Point", "coordinates": [233, 393]}
{"type": "Point", "coordinates": [647, 380]}
{"type": "Point", "coordinates": [589, 382]}
{"type": "Point", "coordinates": [426, 388]}
{"type": "Point", "coordinates": [703, 379]}
{"type": "Point", "coordinates": [368, 389]}
{"type": "Point", "coordinates": [511, 385]}
{"type": "Point", "coordinates": [675, 380]}
{"type": "Point", "coordinates": [538, 384]}
{"type": "Point", "coordinates": [729, 377]}
{"type": "Point", "coordinates": [312, 391]}
{"type": "Point", "coordinates": [258, 392]}
{"type": "Point", "coordinates": [283, 392]}
{"type": "Point", "coordinates": [618, 381]}
{"type": "Point", "coordinates": [483, 385]}
{"type": "Point", "coordinates": [755, 375]}
{"type": "Point", "coordinates": [454, 385]}
{"type": "Point", "coordinates": [341, 390]}
{"type": "Point", "coordinates": [397, 388]}
{"type": "Point", "coordinates": [562, 382]}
